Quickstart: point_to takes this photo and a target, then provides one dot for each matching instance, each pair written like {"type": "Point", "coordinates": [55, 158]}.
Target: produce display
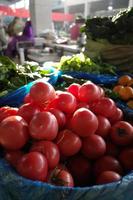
{"type": "Point", "coordinates": [13, 76]}
{"type": "Point", "coordinates": [111, 39]}
{"type": "Point", "coordinates": [124, 89]}
{"type": "Point", "coordinates": [55, 131]}
{"type": "Point", "coordinates": [82, 63]}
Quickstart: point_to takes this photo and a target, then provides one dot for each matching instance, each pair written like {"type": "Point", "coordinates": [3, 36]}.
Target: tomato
{"type": "Point", "coordinates": [126, 158]}
{"type": "Point", "coordinates": [69, 122]}
{"type": "Point", "coordinates": [107, 163]}
{"type": "Point", "coordinates": [103, 126]}
{"type": "Point", "coordinates": [108, 177]}
{"type": "Point", "coordinates": [27, 111]}
{"type": "Point", "coordinates": [68, 142]}
{"type": "Point", "coordinates": [122, 133]}
{"type": "Point", "coordinates": [34, 166]}
{"type": "Point", "coordinates": [42, 93]}
{"type": "Point", "coordinates": [74, 89]}
{"type": "Point", "coordinates": [89, 92]}
{"type": "Point", "coordinates": [43, 126]}
{"type": "Point", "coordinates": [60, 177]}
{"type": "Point", "coordinates": [2, 109]}
{"type": "Point", "coordinates": [13, 132]}
{"type": "Point", "coordinates": [66, 102]}
{"type": "Point", "coordinates": [81, 174]}
{"type": "Point", "coordinates": [27, 99]}
{"type": "Point", "coordinates": [50, 150]}
{"type": "Point", "coordinates": [7, 111]}
{"type": "Point", "coordinates": [53, 104]}
{"type": "Point", "coordinates": [105, 107]}
{"type": "Point", "coordinates": [117, 116]}
{"type": "Point", "coordinates": [82, 105]}
{"type": "Point", "coordinates": [13, 157]}
{"type": "Point", "coordinates": [112, 149]}
{"type": "Point", "coordinates": [84, 122]}
{"type": "Point", "coordinates": [93, 146]}
{"type": "Point", "coordinates": [60, 116]}
{"type": "Point", "coordinates": [102, 93]}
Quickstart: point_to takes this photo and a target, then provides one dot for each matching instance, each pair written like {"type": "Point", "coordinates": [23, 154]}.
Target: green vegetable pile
{"type": "Point", "coordinates": [80, 62]}
{"type": "Point", "coordinates": [111, 39]}
{"type": "Point", "coordinates": [116, 30]}
{"type": "Point", "coordinates": [13, 76]}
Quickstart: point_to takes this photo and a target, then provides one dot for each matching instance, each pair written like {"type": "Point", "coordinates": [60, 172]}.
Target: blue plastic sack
{"type": "Point", "coordinates": [15, 98]}
{"type": "Point", "coordinates": [15, 187]}
{"type": "Point", "coordinates": [105, 79]}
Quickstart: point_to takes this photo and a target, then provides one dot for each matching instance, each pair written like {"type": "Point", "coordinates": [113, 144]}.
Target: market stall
{"type": "Point", "coordinates": [66, 127]}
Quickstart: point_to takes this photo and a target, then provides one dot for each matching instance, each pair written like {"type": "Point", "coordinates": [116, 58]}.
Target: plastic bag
{"type": "Point", "coordinates": [104, 79]}
{"type": "Point", "coordinates": [16, 97]}
{"type": "Point", "coordinates": [15, 187]}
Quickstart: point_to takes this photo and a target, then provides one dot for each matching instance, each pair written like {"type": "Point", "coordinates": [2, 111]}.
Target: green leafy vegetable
{"type": "Point", "coordinates": [80, 62]}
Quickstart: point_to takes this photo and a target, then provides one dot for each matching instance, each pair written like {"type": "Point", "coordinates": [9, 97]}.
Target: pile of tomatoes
{"type": "Point", "coordinates": [72, 138]}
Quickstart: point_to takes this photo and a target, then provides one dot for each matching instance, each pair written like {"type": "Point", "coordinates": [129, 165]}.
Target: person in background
{"type": "Point", "coordinates": [75, 28]}
{"type": "Point", "coordinates": [15, 27]}
{"type": "Point", "coordinates": [27, 35]}
{"type": "Point", "coordinates": [3, 38]}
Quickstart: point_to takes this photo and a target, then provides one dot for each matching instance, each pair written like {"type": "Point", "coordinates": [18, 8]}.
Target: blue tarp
{"type": "Point", "coordinates": [105, 79]}
{"type": "Point", "coordinates": [15, 187]}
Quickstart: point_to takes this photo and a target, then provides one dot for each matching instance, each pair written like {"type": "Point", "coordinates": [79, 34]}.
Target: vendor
{"type": "Point", "coordinates": [75, 28]}
{"type": "Point", "coordinates": [27, 35]}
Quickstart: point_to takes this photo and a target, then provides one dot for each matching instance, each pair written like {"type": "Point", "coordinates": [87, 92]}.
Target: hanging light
{"type": "Point", "coordinates": [110, 6]}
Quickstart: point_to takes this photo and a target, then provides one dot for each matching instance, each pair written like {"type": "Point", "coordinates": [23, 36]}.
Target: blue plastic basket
{"type": "Point", "coordinates": [15, 187]}
{"type": "Point", "coordinates": [16, 97]}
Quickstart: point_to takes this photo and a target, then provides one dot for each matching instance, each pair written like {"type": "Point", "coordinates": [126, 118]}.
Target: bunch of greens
{"type": "Point", "coordinates": [116, 30]}
{"type": "Point", "coordinates": [80, 62]}
{"type": "Point", "coordinates": [13, 76]}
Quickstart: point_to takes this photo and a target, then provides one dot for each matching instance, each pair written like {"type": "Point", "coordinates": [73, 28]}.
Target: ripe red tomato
{"type": "Point", "coordinates": [50, 150]}
{"type": "Point", "coordinates": [7, 111]}
{"type": "Point", "coordinates": [74, 89]}
{"type": "Point", "coordinates": [122, 133]}
{"type": "Point", "coordinates": [107, 163]}
{"type": "Point", "coordinates": [43, 126]}
{"type": "Point", "coordinates": [61, 177]}
{"type": "Point", "coordinates": [126, 158]}
{"type": "Point", "coordinates": [93, 146]}
{"type": "Point", "coordinates": [66, 102]}
{"type": "Point", "coordinates": [104, 106]}
{"type": "Point", "coordinates": [117, 116]}
{"type": "Point", "coordinates": [60, 116]}
{"type": "Point", "coordinates": [102, 93]}
{"type": "Point", "coordinates": [27, 111]}
{"type": "Point", "coordinates": [42, 92]}
{"type": "Point", "coordinates": [84, 122]}
{"type": "Point", "coordinates": [2, 109]}
{"type": "Point", "coordinates": [103, 126]}
{"type": "Point", "coordinates": [80, 168]}
{"type": "Point", "coordinates": [108, 177]}
{"type": "Point", "coordinates": [13, 132]}
{"type": "Point", "coordinates": [82, 105]}
{"type": "Point", "coordinates": [13, 157]}
{"type": "Point", "coordinates": [34, 166]}
{"type": "Point", "coordinates": [89, 92]}
{"type": "Point", "coordinates": [112, 149]}
{"type": "Point", "coordinates": [68, 142]}
{"type": "Point", "coordinates": [28, 99]}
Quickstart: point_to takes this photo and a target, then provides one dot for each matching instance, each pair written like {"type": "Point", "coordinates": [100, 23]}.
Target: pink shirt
{"type": "Point", "coordinates": [75, 31]}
